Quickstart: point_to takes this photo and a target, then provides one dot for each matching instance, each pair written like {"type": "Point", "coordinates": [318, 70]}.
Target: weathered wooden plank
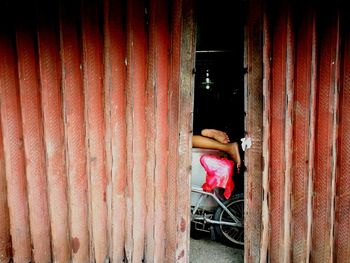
{"type": "Point", "coordinates": [11, 122]}
{"type": "Point", "coordinates": [312, 136]}
{"type": "Point", "coordinates": [51, 103]}
{"type": "Point", "coordinates": [185, 132]}
{"type": "Point", "coordinates": [326, 105]}
{"type": "Point", "coordinates": [115, 101]}
{"type": "Point", "coordinates": [162, 130]}
{"type": "Point", "coordinates": [254, 130]}
{"type": "Point", "coordinates": [151, 92]}
{"type": "Point", "coordinates": [287, 214]}
{"type": "Point", "coordinates": [136, 130]}
{"type": "Point", "coordinates": [5, 238]}
{"type": "Point", "coordinates": [301, 135]}
{"type": "Point", "coordinates": [94, 116]}
{"type": "Point", "coordinates": [342, 215]}
{"type": "Point", "coordinates": [73, 107]}
{"type": "Point", "coordinates": [266, 143]}
{"type": "Point", "coordinates": [278, 133]}
{"type": "Point", "coordinates": [33, 137]}
{"type": "Point", "coordinates": [174, 84]}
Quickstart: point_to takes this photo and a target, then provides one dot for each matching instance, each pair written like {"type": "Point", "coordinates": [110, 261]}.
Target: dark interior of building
{"type": "Point", "coordinates": [218, 104]}
{"type": "Point", "coordinates": [219, 81]}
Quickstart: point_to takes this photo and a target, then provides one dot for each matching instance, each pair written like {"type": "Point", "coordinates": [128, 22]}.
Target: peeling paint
{"type": "Point", "coordinates": [75, 245]}
{"type": "Point", "coordinates": [183, 225]}
{"type": "Point", "coordinates": [181, 255]}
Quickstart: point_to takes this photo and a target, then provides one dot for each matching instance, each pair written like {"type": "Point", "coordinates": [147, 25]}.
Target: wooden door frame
{"type": "Point", "coordinates": [256, 121]}
{"type": "Point", "coordinates": [256, 60]}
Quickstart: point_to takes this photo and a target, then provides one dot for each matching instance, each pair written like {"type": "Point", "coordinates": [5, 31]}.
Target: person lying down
{"type": "Point", "coordinates": [218, 140]}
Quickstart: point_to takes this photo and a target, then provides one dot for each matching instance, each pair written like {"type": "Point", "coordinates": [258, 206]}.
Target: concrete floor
{"type": "Point", "coordinates": [208, 251]}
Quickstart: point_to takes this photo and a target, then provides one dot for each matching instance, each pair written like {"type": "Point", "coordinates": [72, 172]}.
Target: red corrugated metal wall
{"type": "Point", "coordinates": [90, 113]}
{"type": "Point", "coordinates": [304, 215]}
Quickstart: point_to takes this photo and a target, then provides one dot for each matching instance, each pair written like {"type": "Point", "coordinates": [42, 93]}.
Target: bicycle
{"type": "Point", "coordinates": [211, 211]}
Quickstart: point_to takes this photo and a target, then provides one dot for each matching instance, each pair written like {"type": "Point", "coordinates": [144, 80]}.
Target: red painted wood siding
{"type": "Point", "coordinates": [305, 208]}
{"type": "Point", "coordinates": [91, 112]}
{"type": "Point", "coordinates": [96, 101]}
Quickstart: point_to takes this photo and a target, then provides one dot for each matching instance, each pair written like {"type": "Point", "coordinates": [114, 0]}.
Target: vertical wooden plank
{"type": "Point", "coordinates": [174, 83]}
{"type": "Point", "coordinates": [312, 139]}
{"type": "Point", "coordinates": [302, 128]}
{"type": "Point", "coordinates": [136, 131]}
{"type": "Point", "coordinates": [50, 76]}
{"type": "Point", "coordinates": [94, 115]}
{"type": "Point", "coordinates": [162, 130]}
{"type": "Point", "coordinates": [13, 148]}
{"type": "Point", "coordinates": [323, 203]}
{"type": "Point", "coordinates": [335, 132]}
{"type": "Point", "coordinates": [187, 54]}
{"type": "Point", "coordinates": [115, 101]}
{"type": "Point", "coordinates": [107, 117]}
{"type": "Point", "coordinates": [108, 127]}
{"type": "Point", "coordinates": [157, 131]}
{"type": "Point", "coordinates": [335, 88]}
{"type": "Point", "coordinates": [129, 142]}
{"type": "Point", "coordinates": [5, 55]}
{"type": "Point", "coordinates": [5, 238]}
{"type": "Point", "coordinates": [151, 93]}
{"type": "Point", "coordinates": [33, 138]}
{"type": "Point", "coordinates": [73, 107]}
{"type": "Point", "coordinates": [11, 122]}
{"type": "Point", "coordinates": [342, 216]}
{"type": "Point", "coordinates": [278, 139]}
{"type": "Point", "coordinates": [288, 138]}
{"type": "Point", "coordinates": [266, 141]}
{"type": "Point", "coordinates": [254, 129]}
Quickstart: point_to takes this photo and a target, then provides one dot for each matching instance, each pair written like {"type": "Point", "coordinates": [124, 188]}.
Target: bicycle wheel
{"type": "Point", "coordinates": [231, 235]}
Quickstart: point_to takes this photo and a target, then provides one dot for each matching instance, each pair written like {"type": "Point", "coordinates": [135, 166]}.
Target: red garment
{"type": "Point", "coordinates": [219, 173]}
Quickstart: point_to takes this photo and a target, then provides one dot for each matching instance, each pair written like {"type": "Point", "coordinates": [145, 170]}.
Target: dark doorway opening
{"type": "Point", "coordinates": [219, 55]}
{"type": "Point", "coordinates": [219, 82]}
